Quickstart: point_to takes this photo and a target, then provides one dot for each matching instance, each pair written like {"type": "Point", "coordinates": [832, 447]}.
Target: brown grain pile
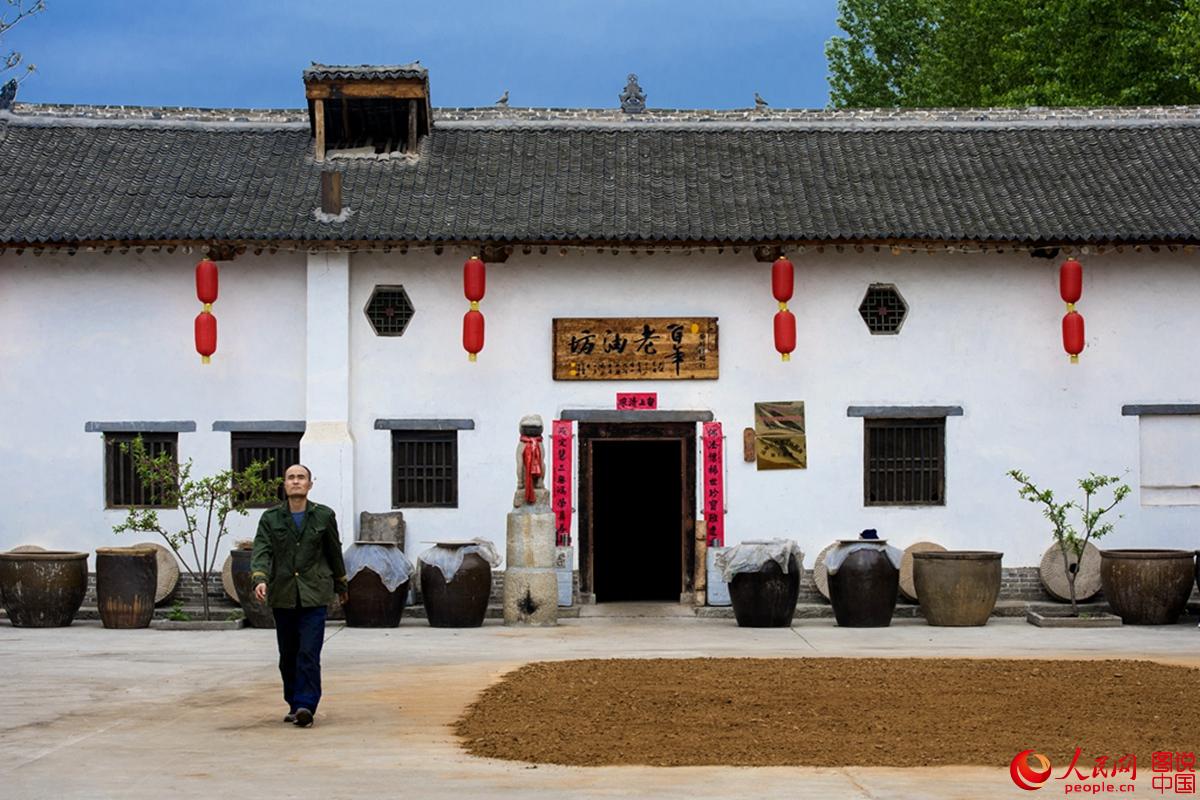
{"type": "Point", "coordinates": [832, 712]}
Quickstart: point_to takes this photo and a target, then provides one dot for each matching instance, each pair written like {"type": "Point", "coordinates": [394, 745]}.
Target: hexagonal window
{"type": "Point", "coordinates": [883, 309]}
{"type": "Point", "coordinates": [389, 310]}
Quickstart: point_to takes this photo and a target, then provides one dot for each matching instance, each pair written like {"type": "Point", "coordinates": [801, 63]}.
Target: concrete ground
{"type": "Point", "coordinates": [94, 713]}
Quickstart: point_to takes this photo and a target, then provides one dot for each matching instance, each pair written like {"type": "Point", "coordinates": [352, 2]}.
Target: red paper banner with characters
{"type": "Point", "coordinates": [714, 484]}
{"type": "Point", "coordinates": [637, 401]}
{"type": "Point", "coordinates": [560, 496]}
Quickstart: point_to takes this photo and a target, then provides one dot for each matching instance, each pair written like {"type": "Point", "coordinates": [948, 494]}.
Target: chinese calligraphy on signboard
{"type": "Point", "coordinates": [714, 484]}
{"type": "Point", "coordinates": [635, 348]}
{"type": "Point", "coordinates": [560, 495]}
{"type": "Point", "coordinates": [780, 441]}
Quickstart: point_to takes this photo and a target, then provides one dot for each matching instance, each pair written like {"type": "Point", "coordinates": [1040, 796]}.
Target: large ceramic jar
{"type": "Point", "coordinates": [458, 599]}
{"type": "Point", "coordinates": [763, 594]}
{"type": "Point", "coordinates": [1147, 587]}
{"type": "Point", "coordinates": [43, 589]}
{"type": "Point", "coordinates": [864, 581]}
{"type": "Point", "coordinates": [957, 587]}
{"type": "Point", "coordinates": [126, 583]}
{"type": "Point", "coordinates": [371, 605]}
{"type": "Point", "coordinates": [767, 598]}
{"type": "Point", "coordinates": [258, 614]}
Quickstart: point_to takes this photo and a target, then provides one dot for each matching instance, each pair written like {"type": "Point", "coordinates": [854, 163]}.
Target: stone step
{"type": "Point", "coordinates": [1004, 608]}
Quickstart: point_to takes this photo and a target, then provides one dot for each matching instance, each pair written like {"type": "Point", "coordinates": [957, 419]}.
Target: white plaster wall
{"type": "Point", "coordinates": [983, 332]}
{"type": "Point", "coordinates": [94, 337]}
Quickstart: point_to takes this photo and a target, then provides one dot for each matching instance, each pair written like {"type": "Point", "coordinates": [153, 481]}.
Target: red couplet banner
{"type": "Point", "coordinates": [637, 401]}
{"type": "Point", "coordinates": [560, 496]}
{"type": "Point", "coordinates": [714, 484]}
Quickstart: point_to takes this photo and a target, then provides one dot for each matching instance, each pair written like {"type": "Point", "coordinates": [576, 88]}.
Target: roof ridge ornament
{"type": "Point", "coordinates": [8, 93]}
{"type": "Point", "coordinates": [633, 99]}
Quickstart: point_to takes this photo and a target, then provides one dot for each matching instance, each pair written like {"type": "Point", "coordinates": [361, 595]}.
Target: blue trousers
{"type": "Point", "coordinates": [300, 633]}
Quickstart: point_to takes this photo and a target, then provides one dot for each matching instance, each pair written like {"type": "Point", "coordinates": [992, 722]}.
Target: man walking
{"type": "Point", "coordinates": [297, 566]}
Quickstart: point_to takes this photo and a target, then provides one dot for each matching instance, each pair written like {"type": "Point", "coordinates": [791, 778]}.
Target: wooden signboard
{"type": "Point", "coordinates": [635, 348]}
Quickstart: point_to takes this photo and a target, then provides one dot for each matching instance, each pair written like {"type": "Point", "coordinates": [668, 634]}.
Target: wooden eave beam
{"type": "Point", "coordinates": [396, 88]}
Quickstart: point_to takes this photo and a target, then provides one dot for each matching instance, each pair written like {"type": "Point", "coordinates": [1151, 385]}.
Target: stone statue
{"type": "Point", "coordinates": [531, 466]}
{"type": "Point", "coordinates": [530, 580]}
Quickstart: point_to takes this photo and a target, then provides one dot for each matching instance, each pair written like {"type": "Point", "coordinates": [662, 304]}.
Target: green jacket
{"type": "Point", "coordinates": [300, 567]}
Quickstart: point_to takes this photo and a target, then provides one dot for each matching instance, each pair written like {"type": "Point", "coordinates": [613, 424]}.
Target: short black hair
{"type": "Point", "coordinates": [306, 469]}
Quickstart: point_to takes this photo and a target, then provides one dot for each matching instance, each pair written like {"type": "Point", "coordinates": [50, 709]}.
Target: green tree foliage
{"type": "Point", "coordinates": [205, 504]}
{"type": "Point", "coordinates": [922, 53]}
{"type": "Point", "coordinates": [1070, 543]}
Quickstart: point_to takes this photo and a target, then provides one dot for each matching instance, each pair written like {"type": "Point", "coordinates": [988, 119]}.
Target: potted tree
{"type": "Point", "coordinates": [1071, 545]}
{"type": "Point", "coordinates": [205, 503]}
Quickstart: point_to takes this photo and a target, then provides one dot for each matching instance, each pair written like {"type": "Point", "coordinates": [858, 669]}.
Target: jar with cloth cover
{"type": "Point", "coordinates": [764, 581]}
{"type": "Point", "coordinates": [379, 579]}
{"type": "Point", "coordinates": [864, 581]}
{"type": "Point", "coordinates": [456, 582]}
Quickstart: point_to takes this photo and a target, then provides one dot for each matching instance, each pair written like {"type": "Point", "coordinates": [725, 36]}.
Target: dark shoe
{"type": "Point", "coordinates": [304, 717]}
{"type": "Point", "coordinates": [290, 717]}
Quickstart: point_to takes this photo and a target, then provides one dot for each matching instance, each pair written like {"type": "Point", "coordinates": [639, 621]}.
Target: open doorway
{"type": "Point", "coordinates": [637, 489]}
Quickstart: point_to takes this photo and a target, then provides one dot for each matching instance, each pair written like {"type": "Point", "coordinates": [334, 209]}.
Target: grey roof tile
{"type": "Point", "coordinates": [72, 180]}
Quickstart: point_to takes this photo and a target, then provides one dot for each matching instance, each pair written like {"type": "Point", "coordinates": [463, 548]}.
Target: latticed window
{"type": "Point", "coordinates": [122, 486]}
{"type": "Point", "coordinates": [389, 310]}
{"type": "Point", "coordinates": [281, 450]}
{"type": "Point", "coordinates": [905, 462]}
{"type": "Point", "coordinates": [424, 469]}
{"type": "Point", "coordinates": [883, 309]}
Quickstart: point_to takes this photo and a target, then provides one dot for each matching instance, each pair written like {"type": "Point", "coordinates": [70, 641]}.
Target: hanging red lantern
{"type": "Point", "coordinates": [1070, 281]}
{"type": "Point", "coordinates": [206, 281]}
{"type": "Point", "coordinates": [474, 278]}
{"type": "Point", "coordinates": [474, 284]}
{"type": "Point", "coordinates": [783, 280]}
{"type": "Point", "coordinates": [473, 332]}
{"type": "Point", "coordinates": [1072, 333]}
{"type": "Point", "coordinates": [206, 336]}
{"type": "Point", "coordinates": [206, 323]}
{"type": "Point", "coordinates": [783, 276]}
{"type": "Point", "coordinates": [1070, 287]}
{"type": "Point", "coordinates": [785, 333]}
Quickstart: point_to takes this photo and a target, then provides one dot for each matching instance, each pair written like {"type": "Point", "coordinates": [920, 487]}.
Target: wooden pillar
{"type": "Point", "coordinates": [319, 124]}
{"type": "Point", "coordinates": [700, 570]}
{"type": "Point", "coordinates": [410, 146]}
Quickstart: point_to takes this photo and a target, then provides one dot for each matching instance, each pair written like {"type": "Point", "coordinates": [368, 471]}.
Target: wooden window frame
{"type": "Point", "coordinates": [125, 480]}
{"type": "Point", "coordinates": [432, 437]}
{"type": "Point", "coordinates": [266, 440]}
{"type": "Point", "coordinates": [932, 483]}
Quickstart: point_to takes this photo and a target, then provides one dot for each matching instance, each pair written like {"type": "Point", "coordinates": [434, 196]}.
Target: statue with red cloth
{"type": "Point", "coordinates": [531, 465]}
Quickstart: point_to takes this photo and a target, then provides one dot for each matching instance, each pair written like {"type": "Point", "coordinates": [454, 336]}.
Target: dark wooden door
{"type": "Point", "coordinates": [637, 509]}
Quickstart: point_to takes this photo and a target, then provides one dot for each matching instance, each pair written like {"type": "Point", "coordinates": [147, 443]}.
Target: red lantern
{"type": "Point", "coordinates": [206, 335]}
{"type": "Point", "coordinates": [474, 279]}
{"type": "Point", "coordinates": [473, 332]}
{"type": "Point", "coordinates": [1072, 332]}
{"type": "Point", "coordinates": [1070, 281]}
{"type": "Point", "coordinates": [782, 279]}
{"type": "Point", "coordinates": [206, 281]}
{"type": "Point", "coordinates": [785, 333]}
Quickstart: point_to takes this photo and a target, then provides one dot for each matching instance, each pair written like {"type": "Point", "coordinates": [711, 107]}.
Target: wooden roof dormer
{"type": "Point", "coordinates": [364, 110]}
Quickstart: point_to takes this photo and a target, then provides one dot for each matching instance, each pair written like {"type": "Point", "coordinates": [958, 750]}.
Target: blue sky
{"type": "Point", "coordinates": [687, 53]}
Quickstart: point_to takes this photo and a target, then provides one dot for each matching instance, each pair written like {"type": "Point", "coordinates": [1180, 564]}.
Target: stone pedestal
{"type": "Point", "coordinates": [530, 580]}
{"type": "Point", "coordinates": [564, 568]}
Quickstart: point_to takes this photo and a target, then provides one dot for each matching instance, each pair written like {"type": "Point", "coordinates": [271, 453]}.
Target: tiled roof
{"type": "Point", "coordinates": [333, 72]}
{"type": "Point", "coordinates": [64, 180]}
